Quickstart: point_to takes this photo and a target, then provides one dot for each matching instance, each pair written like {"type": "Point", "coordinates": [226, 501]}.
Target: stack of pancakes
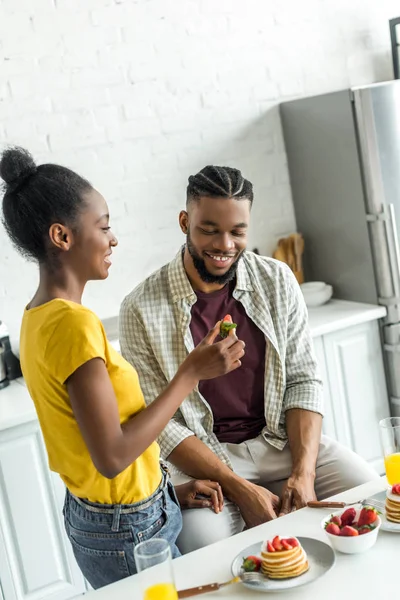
{"type": "Point", "coordinates": [284, 564]}
{"type": "Point", "coordinates": [392, 506]}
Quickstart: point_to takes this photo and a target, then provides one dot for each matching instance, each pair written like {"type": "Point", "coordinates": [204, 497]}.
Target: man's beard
{"type": "Point", "coordinates": [201, 268]}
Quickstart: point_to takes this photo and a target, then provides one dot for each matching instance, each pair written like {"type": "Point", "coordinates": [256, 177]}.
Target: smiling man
{"type": "Point", "coordinates": [257, 430]}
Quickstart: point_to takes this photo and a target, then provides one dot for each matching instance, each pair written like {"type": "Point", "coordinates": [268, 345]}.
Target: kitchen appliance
{"type": "Point", "coordinates": [4, 382]}
{"type": "Point", "coordinates": [10, 367]}
{"type": "Point", "coordinates": [343, 153]}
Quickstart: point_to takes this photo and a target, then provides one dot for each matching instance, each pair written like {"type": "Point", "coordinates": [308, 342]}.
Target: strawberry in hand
{"type": "Point", "coordinates": [226, 326]}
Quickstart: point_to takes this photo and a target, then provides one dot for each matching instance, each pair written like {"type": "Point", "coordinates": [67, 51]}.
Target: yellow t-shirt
{"type": "Point", "coordinates": [56, 339]}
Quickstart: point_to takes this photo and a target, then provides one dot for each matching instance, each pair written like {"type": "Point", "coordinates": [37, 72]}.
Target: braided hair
{"type": "Point", "coordinates": [223, 182]}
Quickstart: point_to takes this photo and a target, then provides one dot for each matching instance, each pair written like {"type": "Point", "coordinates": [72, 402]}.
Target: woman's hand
{"type": "Point", "coordinates": [209, 360]}
{"type": "Point", "coordinates": [200, 494]}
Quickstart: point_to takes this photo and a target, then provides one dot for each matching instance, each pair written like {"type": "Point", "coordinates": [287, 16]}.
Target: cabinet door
{"type": "Point", "coordinates": [35, 556]}
{"type": "Point", "coordinates": [358, 391]}
{"type": "Point", "coordinates": [328, 423]}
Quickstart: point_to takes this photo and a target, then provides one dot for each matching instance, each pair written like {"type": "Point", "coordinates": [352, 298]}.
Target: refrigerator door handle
{"type": "Point", "coordinates": [393, 246]}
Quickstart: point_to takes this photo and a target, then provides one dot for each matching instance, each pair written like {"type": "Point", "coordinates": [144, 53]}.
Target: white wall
{"type": "Point", "coordinates": [138, 94]}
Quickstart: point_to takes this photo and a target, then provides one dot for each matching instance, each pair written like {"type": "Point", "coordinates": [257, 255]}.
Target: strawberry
{"type": "Point", "coordinates": [251, 563]}
{"type": "Point", "coordinates": [348, 516]}
{"type": "Point", "coordinates": [226, 326]}
{"type": "Point", "coordinates": [270, 547]}
{"type": "Point", "coordinates": [348, 531]}
{"type": "Point", "coordinates": [336, 519]}
{"type": "Point", "coordinates": [364, 529]}
{"type": "Point", "coordinates": [276, 542]}
{"type": "Point", "coordinates": [286, 545]}
{"type": "Point", "coordinates": [367, 516]}
{"type": "Point", "coordinates": [396, 489]}
{"type": "Point", "coordinates": [293, 542]}
{"type": "Point", "coordinates": [333, 528]}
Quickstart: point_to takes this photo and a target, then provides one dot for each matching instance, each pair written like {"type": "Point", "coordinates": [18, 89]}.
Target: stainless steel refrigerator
{"type": "Point", "coordinates": [343, 153]}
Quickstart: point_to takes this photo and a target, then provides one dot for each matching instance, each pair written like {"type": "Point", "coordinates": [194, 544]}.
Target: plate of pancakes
{"type": "Point", "coordinates": [391, 515]}
{"type": "Point", "coordinates": [301, 560]}
{"type": "Point", "coordinates": [388, 505]}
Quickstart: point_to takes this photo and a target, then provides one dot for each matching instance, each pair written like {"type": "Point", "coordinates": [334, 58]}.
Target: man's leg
{"type": "Point", "coordinates": [338, 468]}
{"type": "Point", "coordinates": [202, 526]}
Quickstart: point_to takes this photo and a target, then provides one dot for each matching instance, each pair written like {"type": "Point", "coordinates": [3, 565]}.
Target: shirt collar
{"type": "Point", "coordinates": [243, 280]}
{"type": "Point", "coordinates": [178, 280]}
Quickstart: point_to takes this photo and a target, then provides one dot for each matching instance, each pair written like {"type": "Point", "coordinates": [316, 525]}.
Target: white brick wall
{"type": "Point", "coordinates": [138, 94]}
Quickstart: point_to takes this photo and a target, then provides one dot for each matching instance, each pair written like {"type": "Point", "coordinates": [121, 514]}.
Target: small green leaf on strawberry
{"type": "Point", "coordinates": [364, 529]}
{"type": "Point", "coordinates": [336, 520]}
{"type": "Point", "coordinates": [251, 563]}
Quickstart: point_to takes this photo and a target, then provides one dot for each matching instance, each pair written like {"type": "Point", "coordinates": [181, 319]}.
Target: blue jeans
{"type": "Point", "coordinates": [103, 536]}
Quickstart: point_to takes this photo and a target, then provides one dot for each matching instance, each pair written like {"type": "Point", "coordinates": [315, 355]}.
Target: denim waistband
{"type": "Point", "coordinates": [123, 509]}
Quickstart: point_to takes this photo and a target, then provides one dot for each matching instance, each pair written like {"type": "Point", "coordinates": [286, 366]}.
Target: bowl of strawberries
{"type": "Point", "coordinates": [353, 530]}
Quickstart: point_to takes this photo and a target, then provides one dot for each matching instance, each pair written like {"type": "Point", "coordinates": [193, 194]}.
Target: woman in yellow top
{"type": "Point", "coordinates": [99, 435]}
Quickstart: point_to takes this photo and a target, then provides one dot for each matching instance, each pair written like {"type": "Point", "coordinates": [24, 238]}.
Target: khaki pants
{"type": "Point", "coordinates": [338, 469]}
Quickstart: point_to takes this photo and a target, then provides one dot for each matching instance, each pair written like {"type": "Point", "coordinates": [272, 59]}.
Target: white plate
{"type": "Point", "coordinates": [320, 556]}
{"type": "Point", "coordinates": [388, 525]}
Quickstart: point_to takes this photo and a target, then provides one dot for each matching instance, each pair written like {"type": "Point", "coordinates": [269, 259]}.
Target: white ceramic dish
{"type": "Point", "coordinates": [316, 293]}
{"type": "Point", "coordinates": [352, 545]}
{"type": "Point", "coordinates": [320, 556]}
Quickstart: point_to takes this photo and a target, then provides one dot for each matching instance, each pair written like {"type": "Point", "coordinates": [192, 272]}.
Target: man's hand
{"type": "Point", "coordinates": [257, 505]}
{"type": "Point", "coordinates": [297, 491]}
{"type": "Point", "coordinates": [200, 494]}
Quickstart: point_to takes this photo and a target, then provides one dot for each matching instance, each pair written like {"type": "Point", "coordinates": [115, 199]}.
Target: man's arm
{"type": "Point", "coordinates": [256, 503]}
{"type": "Point", "coordinates": [178, 443]}
{"type": "Point", "coordinates": [302, 405]}
{"type": "Point", "coordinates": [136, 349]}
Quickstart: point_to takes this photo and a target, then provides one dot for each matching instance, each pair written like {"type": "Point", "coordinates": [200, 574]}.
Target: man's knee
{"type": "Point", "coordinates": [202, 527]}
{"type": "Point", "coordinates": [339, 469]}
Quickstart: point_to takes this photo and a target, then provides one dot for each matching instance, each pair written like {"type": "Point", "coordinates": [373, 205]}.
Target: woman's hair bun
{"type": "Point", "coordinates": [15, 165]}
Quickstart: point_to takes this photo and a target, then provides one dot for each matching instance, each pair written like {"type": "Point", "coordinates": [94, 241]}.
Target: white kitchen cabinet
{"type": "Point", "coordinates": [36, 560]}
{"type": "Point", "coordinates": [355, 393]}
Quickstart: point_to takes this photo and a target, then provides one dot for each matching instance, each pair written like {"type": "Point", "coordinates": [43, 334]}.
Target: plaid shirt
{"type": "Point", "coordinates": [155, 338]}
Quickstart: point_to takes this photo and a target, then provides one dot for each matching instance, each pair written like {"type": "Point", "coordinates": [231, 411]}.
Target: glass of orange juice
{"type": "Point", "coordinates": [390, 438]}
{"type": "Point", "coordinates": [154, 563]}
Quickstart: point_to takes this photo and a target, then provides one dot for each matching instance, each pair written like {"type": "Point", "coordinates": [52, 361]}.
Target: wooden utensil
{"type": "Point", "coordinates": [205, 589]}
{"type": "Point", "coordinates": [322, 504]}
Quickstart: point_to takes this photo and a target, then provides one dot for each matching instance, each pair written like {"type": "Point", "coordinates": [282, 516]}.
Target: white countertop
{"type": "Point", "coordinates": [373, 574]}
{"type": "Point", "coordinates": [16, 406]}
{"type": "Point", "coordinates": [340, 314]}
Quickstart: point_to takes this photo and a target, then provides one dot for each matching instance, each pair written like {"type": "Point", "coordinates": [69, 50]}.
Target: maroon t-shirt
{"type": "Point", "coordinates": [236, 399]}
